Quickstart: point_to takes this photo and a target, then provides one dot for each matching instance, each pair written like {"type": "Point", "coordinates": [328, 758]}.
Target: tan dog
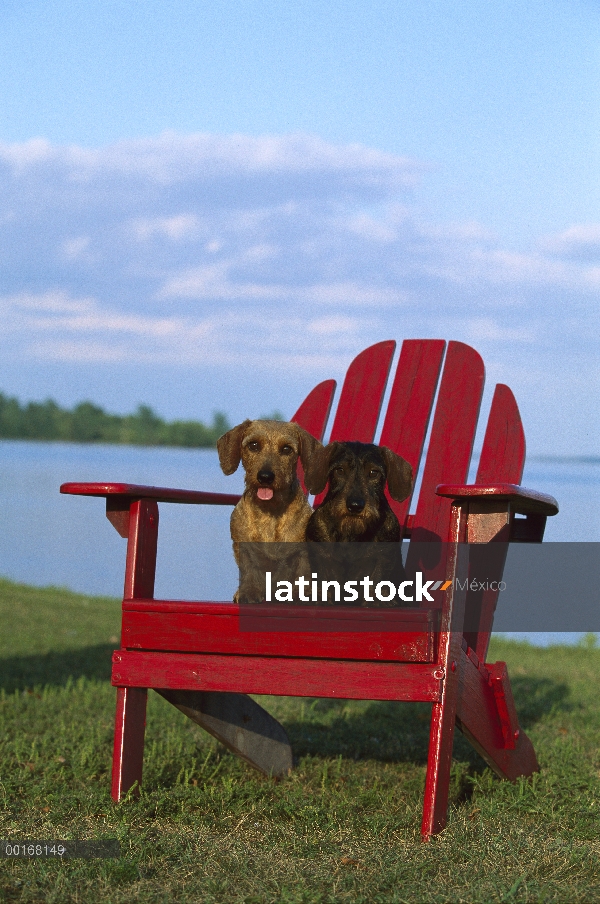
{"type": "Point", "coordinates": [273, 508]}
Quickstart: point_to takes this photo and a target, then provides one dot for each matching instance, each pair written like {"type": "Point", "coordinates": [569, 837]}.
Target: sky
{"type": "Point", "coordinates": [213, 206]}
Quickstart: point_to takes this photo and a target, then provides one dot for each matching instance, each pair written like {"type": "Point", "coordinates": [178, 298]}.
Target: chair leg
{"type": "Point", "coordinates": [443, 715]}
{"type": "Point", "coordinates": [128, 751]}
{"type": "Point", "coordinates": [439, 760]}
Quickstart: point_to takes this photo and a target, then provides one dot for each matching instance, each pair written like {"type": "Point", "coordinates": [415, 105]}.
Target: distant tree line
{"type": "Point", "coordinates": [88, 423]}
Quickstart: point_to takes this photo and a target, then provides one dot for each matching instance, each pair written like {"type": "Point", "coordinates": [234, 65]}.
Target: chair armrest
{"type": "Point", "coordinates": [522, 501]}
{"type": "Point", "coordinates": [159, 494]}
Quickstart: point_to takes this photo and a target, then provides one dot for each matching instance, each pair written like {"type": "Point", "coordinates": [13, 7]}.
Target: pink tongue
{"type": "Point", "coordinates": [264, 493]}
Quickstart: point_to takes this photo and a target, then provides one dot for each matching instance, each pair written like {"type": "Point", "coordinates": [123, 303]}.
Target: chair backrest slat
{"type": "Point", "coordinates": [362, 394]}
{"type": "Point", "coordinates": [361, 397]}
{"type": "Point", "coordinates": [448, 455]}
{"type": "Point", "coordinates": [452, 436]}
{"type": "Point", "coordinates": [502, 461]}
{"type": "Point", "coordinates": [314, 410]}
{"type": "Point", "coordinates": [410, 405]}
{"type": "Point", "coordinates": [313, 415]}
{"type": "Point", "coordinates": [503, 453]}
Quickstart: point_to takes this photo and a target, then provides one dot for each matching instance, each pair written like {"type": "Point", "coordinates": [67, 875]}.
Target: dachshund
{"type": "Point", "coordinates": [356, 509]}
{"type": "Point", "coordinates": [273, 508]}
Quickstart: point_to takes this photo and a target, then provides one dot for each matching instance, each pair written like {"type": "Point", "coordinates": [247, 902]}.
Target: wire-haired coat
{"type": "Point", "coordinates": [355, 508]}
{"type": "Point", "coordinates": [273, 508]}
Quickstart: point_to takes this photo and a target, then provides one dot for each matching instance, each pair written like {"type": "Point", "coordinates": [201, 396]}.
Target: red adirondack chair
{"type": "Point", "coordinates": [196, 655]}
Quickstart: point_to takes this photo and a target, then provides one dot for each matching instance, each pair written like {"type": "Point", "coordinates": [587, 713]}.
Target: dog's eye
{"type": "Point", "coordinates": [286, 450]}
{"type": "Point", "coordinates": [253, 446]}
{"type": "Point", "coordinates": [374, 472]}
{"type": "Point", "coordinates": [338, 470]}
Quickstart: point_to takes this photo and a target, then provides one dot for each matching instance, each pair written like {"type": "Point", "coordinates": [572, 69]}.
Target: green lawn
{"type": "Point", "coordinates": [344, 827]}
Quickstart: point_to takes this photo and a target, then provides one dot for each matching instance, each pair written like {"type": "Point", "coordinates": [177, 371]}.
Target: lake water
{"type": "Point", "coordinates": [66, 541]}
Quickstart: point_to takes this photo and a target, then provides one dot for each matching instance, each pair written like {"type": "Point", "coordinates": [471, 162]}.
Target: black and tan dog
{"type": "Point", "coordinates": [355, 508]}
{"type": "Point", "coordinates": [273, 508]}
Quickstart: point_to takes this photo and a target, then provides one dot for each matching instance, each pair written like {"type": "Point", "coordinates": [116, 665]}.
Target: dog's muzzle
{"type": "Point", "coordinates": [265, 479]}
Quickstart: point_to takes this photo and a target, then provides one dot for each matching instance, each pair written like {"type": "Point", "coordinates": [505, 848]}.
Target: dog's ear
{"type": "Point", "coordinates": [399, 475]}
{"type": "Point", "coordinates": [229, 447]}
{"type": "Point", "coordinates": [308, 446]}
{"type": "Point", "coordinates": [317, 471]}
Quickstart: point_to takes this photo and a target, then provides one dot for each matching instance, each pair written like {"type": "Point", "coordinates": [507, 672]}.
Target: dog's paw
{"type": "Point", "coordinates": [247, 599]}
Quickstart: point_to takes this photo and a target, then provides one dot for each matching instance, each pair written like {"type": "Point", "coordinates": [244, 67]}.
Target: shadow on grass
{"type": "Point", "coordinates": [385, 731]}
{"type": "Point", "coordinates": [538, 697]}
{"type": "Point", "coordinates": [55, 668]}
{"type": "Point", "coordinates": [399, 732]}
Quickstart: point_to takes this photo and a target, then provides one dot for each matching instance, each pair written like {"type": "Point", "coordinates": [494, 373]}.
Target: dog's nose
{"type": "Point", "coordinates": [266, 477]}
{"type": "Point", "coordinates": [355, 504]}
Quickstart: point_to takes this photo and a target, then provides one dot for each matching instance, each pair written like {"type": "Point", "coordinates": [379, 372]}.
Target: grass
{"type": "Point", "coordinates": [343, 828]}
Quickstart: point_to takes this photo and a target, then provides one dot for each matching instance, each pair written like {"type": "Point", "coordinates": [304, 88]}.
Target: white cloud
{"type": "Point", "coordinates": [580, 242]}
{"type": "Point", "coordinates": [61, 351]}
{"type": "Point", "coordinates": [172, 158]}
{"type": "Point", "coordinates": [21, 156]}
{"type": "Point", "coordinates": [512, 267]}
{"type": "Point", "coordinates": [212, 282]}
{"type": "Point", "coordinates": [370, 228]}
{"type": "Point", "coordinates": [479, 329]}
{"type": "Point", "coordinates": [54, 301]}
{"type": "Point", "coordinates": [235, 219]}
{"type": "Point", "coordinates": [469, 230]}
{"type": "Point", "coordinates": [334, 325]}
{"type": "Point", "coordinates": [286, 253]}
{"type": "Point", "coordinates": [591, 276]}
{"type": "Point", "coordinates": [353, 293]}
{"type": "Point", "coordinates": [175, 228]}
{"type": "Point", "coordinates": [76, 247]}
{"type": "Point", "coordinates": [58, 312]}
